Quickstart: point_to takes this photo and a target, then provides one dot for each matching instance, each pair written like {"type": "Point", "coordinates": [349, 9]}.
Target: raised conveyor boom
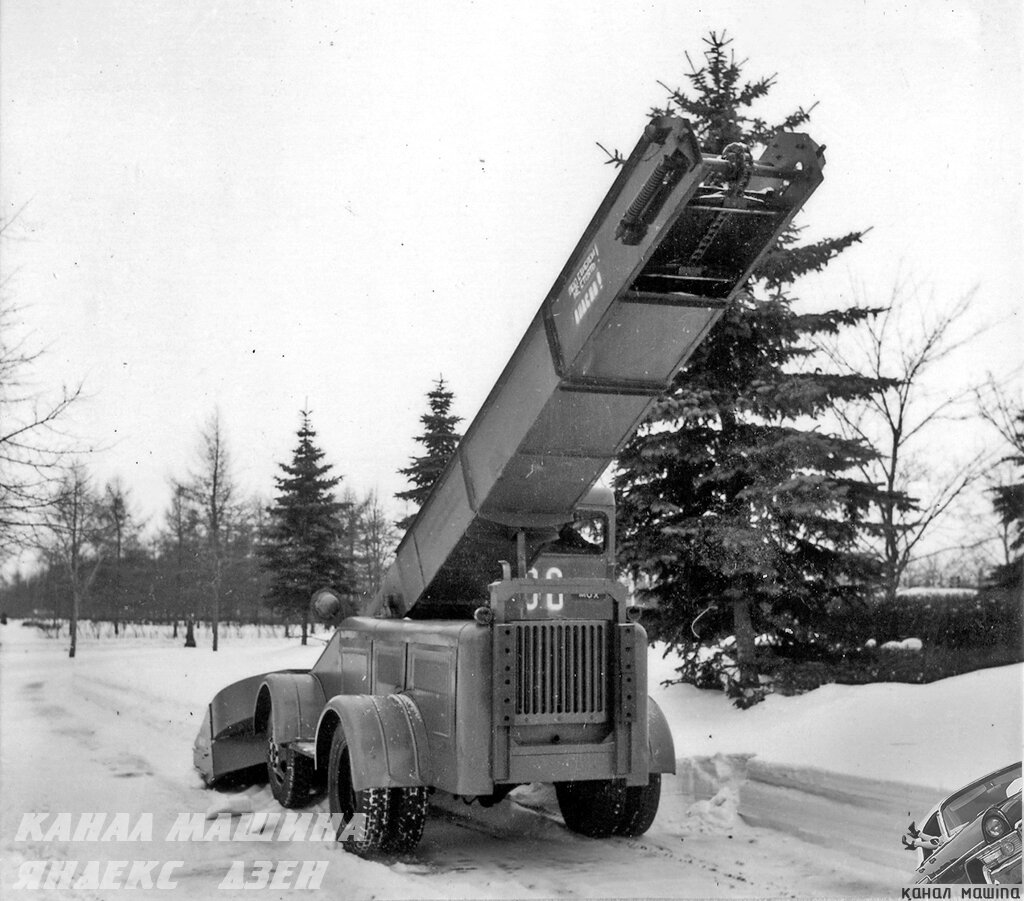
{"type": "Point", "coordinates": [677, 235]}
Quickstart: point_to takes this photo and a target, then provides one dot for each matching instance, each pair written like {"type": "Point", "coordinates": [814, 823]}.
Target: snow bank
{"type": "Point", "coordinates": [927, 593]}
{"type": "Point", "coordinates": [939, 735]}
{"type": "Point", "coordinates": [907, 644]}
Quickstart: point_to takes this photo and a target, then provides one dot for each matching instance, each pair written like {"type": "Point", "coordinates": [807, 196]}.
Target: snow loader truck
{"type": "Point", "coordinates": [501, 650]}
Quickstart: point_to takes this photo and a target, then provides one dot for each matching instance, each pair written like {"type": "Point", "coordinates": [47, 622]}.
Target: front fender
{"type": "Point", "coordinates": [659, 737]}
{"type": "Point", "coordinates": [294, 701]}
{"type": "Point", "coordinates": [386, 738]}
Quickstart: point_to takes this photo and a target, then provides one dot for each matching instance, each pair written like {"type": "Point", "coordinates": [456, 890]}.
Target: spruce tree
{"type": "Point", "coordinates": [303, 549]}
{"type": "Point", "coordinates": [439, 439]}
{"type": "Point", "coordinates": [736, 512]}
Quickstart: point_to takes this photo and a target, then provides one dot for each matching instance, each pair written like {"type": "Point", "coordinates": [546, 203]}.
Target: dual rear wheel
{"type": "Point", "coordinates": [372, 821]}
{"type": "Point", "coordinates": [291, 775]}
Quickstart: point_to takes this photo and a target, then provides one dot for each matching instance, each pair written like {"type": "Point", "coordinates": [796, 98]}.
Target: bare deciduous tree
{"type": "Point", "coordinates": [1006, 415]}
{"type": "Point", "coordinates": [378, 537]}
{"type": "Point", "coordinates": [32, 446]}
{"type": "Point", "coordinates": [120, 522]}
{"type": "Point", "coordinates": [908, 342]}
{"type": "Point", "coordinates": [75, 536]}
{"type": "Point", "coordinates": [212, 489]}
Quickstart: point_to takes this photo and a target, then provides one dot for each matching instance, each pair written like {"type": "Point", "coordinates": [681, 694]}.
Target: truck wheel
{"type": "Point", "coordinates": [641, 807]}
{"type": "Point", "coordinates": [407, 815]}
{"type": "Point", "coordinates": [369, 804]}
{"type": "Point", "coordinates": [606, 807]}
{"type": "Point", "coordinates": [291, 775]}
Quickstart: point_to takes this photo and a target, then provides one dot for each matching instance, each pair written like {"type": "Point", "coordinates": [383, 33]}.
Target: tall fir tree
{"type": "Point", "coordinates": [439, 440]}
{"type": "Point", "coordinates": [734, 512]}
{"type": "Point", "coordinates": [304, 546]}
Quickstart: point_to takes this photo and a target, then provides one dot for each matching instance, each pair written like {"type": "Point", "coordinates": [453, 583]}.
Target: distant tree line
{"type": "Point", "coordinates": [216, 556]}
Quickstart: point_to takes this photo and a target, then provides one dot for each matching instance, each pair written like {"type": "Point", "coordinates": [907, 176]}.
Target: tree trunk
{"type": "Point", "coordinates": [74, 620]}
{"type": "Point", "coordinates": [190, 633]}
{"type": "Point", "coordinates": [216, 596]}
{"type": "Point", "coordinates": [745, 647]}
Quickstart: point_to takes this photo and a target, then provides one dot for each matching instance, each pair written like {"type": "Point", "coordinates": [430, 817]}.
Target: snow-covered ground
{"type": "Point", "coordinates": [939, 735]}
{"type": "Point", "coordinates": [797, 796]}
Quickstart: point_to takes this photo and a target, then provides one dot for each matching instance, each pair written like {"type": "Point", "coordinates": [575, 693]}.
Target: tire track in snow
{"type": "Point", "coordinates": [533, 847]}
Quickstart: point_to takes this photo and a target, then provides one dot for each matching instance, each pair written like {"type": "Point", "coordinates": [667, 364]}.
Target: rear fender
{"type": "Point", "coordinates": [294, 700]}
{"type": "Point", "coordinates": [386, 738]}
{"type": "Point", "coordinates": [659, 737]}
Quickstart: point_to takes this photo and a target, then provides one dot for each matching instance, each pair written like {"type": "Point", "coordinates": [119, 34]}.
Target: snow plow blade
{"type": "Point", "coordinates": [227, 743]}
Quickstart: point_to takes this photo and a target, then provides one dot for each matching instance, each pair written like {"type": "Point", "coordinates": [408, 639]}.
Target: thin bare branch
{"type": "Point", "coordinates": [908, 344]}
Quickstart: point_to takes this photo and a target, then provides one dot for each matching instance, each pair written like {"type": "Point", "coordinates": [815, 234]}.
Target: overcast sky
{"type": "Point", "coordinates": [259, 206]}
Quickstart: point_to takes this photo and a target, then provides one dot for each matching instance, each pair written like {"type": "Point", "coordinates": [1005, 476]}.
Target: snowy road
{"type": "Point", "coordinates": [111, 731]}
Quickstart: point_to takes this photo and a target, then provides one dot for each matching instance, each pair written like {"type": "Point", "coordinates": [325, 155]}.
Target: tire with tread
{"type": "Point", "coordinates": [346, 802]}
{"type": "Point", "coordinates": [641, 807]}
{"type": "Point", "coordinates": [291, 775]}
{"type": "Point", "coordinates": [602, 808]}
{"type": "Point", "coordinates": [407, 815]}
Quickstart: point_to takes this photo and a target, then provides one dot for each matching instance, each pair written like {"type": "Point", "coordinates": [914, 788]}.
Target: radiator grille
{"type": "Point", "coordinates": [561, 671]}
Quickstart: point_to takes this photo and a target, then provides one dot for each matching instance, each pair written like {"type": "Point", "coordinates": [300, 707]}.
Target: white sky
{"type": "Point", "coordinates": [252, 204]}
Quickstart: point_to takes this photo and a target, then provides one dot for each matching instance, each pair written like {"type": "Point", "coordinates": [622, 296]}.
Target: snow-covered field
{"type": "Point", "coordinates": [796, 797]}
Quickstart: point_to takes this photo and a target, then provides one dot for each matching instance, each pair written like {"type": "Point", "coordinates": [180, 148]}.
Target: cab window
{"type": "Point", "coordinates": [587, 533]}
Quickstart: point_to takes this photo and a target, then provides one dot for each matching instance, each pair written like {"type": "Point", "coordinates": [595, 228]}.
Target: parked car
{"type": "Point", "coordinates": [974, 834]}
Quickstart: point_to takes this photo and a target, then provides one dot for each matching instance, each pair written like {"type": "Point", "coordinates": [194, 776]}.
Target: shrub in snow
{"type": "Point", "coordinates": [957, 619]}
{"type": "Point", "coordinates": [711, 666]}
